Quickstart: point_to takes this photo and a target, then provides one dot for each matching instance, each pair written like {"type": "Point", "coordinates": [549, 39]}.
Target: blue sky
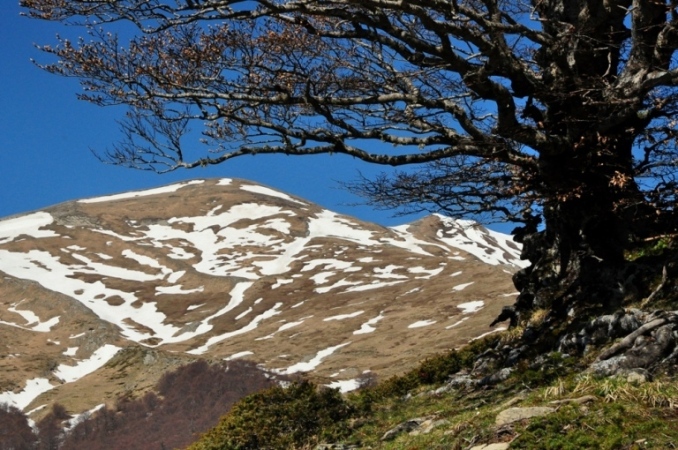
{"type": "Point", "coordinates": [46, 135]}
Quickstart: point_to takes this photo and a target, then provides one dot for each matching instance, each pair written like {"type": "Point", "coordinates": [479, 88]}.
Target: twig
{"type": "Point", "coordinates": [659, 288]}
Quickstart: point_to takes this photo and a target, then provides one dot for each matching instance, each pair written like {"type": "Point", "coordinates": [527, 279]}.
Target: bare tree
{"type": "Point", "coordinates": [546, 110]}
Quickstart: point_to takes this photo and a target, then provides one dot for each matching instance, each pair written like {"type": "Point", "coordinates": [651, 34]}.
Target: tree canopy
{"type": "Point", "coordinates": [545, 110]}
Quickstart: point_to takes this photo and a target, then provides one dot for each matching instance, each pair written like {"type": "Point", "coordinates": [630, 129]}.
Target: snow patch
{"type": "Point", "coordinates": [343, 316]}
{"type": "Point", "coordinates": [344, 385]}
{"type": "Point", "coordinates": [239, 355]}
{"type": "Point", "coordinates": [313, 363]}
{"type": "Point", "coordinates": [368, 327]}
{"type": "Point", "coordinates": [177, 289]}
{"type": "Point", "coordinates": [461, 287]}
{"type": "Point", "coordinates": [471, 307]}
{"type": "Point", "coordinates": [29, 225]}
{"type": "Point", "coordinates": [101, 356]}
{"type": "Point", "coordinates": [20, 400]}
{"type": "Point", "coordinates": [270, 192]}
{"type": "Point", "coordinates": [247, 328]}
{"type": "Point", "coordinates": [144, 193]}
{"type": "Point", "coordinates": [33, 322]}
{"type": "Point", "coordinates": [457, 323]}
{"type": "Point", "coordinates": [421, 323]}
{"type": "Point", "coordinates": [496, 330]}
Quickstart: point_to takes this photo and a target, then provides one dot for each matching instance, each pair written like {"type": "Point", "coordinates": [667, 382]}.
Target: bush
{"type": "Point", "coordinates": [279, 418]}
{"type": "Point", "coordinates": [15, 433]}
{"type": "Point", "coordinates": [190, 401]}
{"type": "Point", "coordinates": [434, 370]}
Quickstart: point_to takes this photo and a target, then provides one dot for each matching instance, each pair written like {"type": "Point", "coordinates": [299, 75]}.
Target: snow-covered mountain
{"type": "Point", "coordinates": [101, 296]}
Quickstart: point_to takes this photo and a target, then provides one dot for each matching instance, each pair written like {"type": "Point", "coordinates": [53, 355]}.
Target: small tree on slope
{"type": "Point", "coordinates": [549, 111]}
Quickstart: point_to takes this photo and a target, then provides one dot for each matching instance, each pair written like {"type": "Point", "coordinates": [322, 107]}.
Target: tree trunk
{"type": "Point", "coordinates": [578, 258]}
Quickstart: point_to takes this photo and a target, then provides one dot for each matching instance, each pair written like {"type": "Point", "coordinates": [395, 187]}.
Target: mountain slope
{"type": "Point", "coordinates": [228, 269]}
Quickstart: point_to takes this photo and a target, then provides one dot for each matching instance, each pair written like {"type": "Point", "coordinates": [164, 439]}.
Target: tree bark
{"type": "Point", "coordinates": [590, 213]}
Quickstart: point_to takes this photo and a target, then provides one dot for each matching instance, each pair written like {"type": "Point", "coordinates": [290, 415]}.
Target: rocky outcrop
{"type": "Point", "coordinates": [419, 425]}
{"type": "Point", "coordinates": [511, 415]}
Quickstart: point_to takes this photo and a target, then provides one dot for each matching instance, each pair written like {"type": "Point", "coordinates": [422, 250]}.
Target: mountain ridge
{"type": "Point", "coordinates": [226, 268]}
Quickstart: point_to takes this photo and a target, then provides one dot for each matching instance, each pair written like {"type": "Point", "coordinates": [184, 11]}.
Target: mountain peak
{"type": "Point", "coordinates": [228, 268]}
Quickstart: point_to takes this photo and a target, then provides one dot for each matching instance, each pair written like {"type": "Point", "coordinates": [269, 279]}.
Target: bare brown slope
{"type": "Point", "coordinates": [220, 270]}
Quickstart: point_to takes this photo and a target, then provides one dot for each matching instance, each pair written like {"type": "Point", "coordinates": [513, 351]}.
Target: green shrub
{"type": "Point", "coordinates": [433, 370]}
{"type": "Point", "coordinates": [281, 418]}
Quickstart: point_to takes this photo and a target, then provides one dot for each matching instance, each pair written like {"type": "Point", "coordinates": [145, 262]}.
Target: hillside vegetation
{"type": "Point", "coordinates": [185, 402]}
{"type": "Point", "coordinates": [426, 408]}
{"type": "Point", "coordinates": [615, 389]}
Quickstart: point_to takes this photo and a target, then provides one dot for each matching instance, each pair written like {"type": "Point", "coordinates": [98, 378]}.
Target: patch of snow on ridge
{"type": "Point", "coordinates": [326, 263]}
{"type": "Point", "coordinates": [270, 192]}
{"type": "Point", "coordinates": [145, 260]}
{"type": "Point", "coordinates": [176, 289]}
{"type": "Point", "coordinates": [429, 272]}
{"type": "Point", "coordinates": [174, 276]}
{"type": "Point", "coordinates": [421, 323]}
{"type": "Point", "coordinates": [459, 322]}
{"type": "Point", "coordinates": [98, 359]}
{"type": "Point", "coordinates": [38, 386]}
{"type": "Point", "coordinates": [29, 225]}
{"type": "Point", "coordinates": [461, 287]}
{"type": "Point", "coordinates": [239, 355]}
{"type": "Point", "coordinates": [322, 277]}
{"type": "Point", "coordinates": [48, 271]}
{"type": "Point", "coordinates": [313, 363]}
{"type": "Point", "coordinates": [76, 419]}
{"type": "Point", "coordinates": [387, 272]}
{"type": "Point", "coordinates": [343, 316]}
{"type": "Point", "coordinates": [247, 328]}
{"type": "Point", "coordinates": [489, 246]}
{"type": "Point", "coordinates": [97, 268]}
{"type": "Point", "coordinates": [328, 223]}
{"type": "Point", "coordinates": [281, 282]}
{"type": "Point", "coordinates": [209, 243]}
{"type": "Point", "coordinates": [126, 195]}
{"type": "Point", "coordinates": [338, 284]}
{"type": "Point", "coordinates": [368, 327]}
{"type": "Point", "coordinates": [373, 285]}
{"type": "Point", "coordinates": [344, 386]}
{"type": "Point", "coordinates": [496, 330]}
{"type": "Point", "coordinates": [33, 322]}
{"type": "Point", "coordinates": [34, 387]}
{"type": "Point", "coordinates": [283, 327]}
{"type": "Point", "coordinates": [407, 241]}
{"type": "Point", "coordinates": [471, 307]}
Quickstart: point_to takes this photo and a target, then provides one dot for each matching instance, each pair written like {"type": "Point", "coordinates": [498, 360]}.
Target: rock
{"type": "Point", "coordinates": [637, 376]}
{"type": "Point", "coordinates": [578, 400]}
{"type": "Point", "coordinates": [515, 354]}
{"type": "Point", "coordinates": [429, 425]}
{"type": "Point", "coordinates": [403, 427]}
{"type": "Point", "coordinates": [608, 367]}
{"type": "Point", "coordinates": [602, 330]}
{"type": "Point", "coordinates": [515, 414]}
{"type": "Point", "coordinates": [496, 377]}
{"type": "Point", "coordinates": [419, 425]}
{"type": "Point", "coordinates": [496, 446]}
{"type": "Point", "coordinates": [441, 390]}
{"type": "Point", "coordinates": [461, 380]}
